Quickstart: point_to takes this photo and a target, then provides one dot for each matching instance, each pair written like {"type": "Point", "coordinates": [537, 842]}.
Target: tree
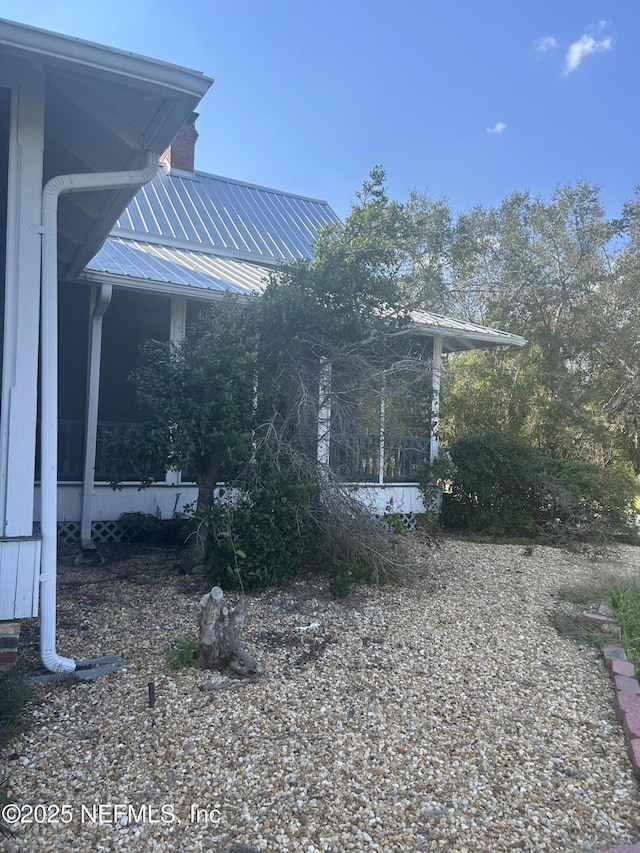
{"type": "Point", "coordinates": [616, 353]}
{"type": "Point", "coordinates": [238, 399]}
{"type": "Point", "coordinates": [199, 396]}
{"type": "Point", "coordinates": [536, 268]}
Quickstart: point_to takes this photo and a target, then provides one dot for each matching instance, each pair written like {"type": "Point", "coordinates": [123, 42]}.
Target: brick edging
{"type": "Point", "coordinates": [9, 636]}
{"type": "Point", "coordinates": [627, 698]}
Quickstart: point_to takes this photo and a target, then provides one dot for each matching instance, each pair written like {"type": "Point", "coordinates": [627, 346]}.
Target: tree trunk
{"type": "Point", "coordinates": [196, 554]}
{"type": "Point", "coordinates": [220, 627]}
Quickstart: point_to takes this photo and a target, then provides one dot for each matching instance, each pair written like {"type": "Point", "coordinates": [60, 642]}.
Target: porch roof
{"type": "Point", "coordinates": [460, 334]}
{"type": "Point", "coordinates": [205, 274]}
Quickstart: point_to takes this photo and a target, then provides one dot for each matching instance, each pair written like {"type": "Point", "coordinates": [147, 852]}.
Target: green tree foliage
{"type": "Point", "coordinates": [239, 399]}
{"type": "Point", "coordinates": [347, 307]}
{"type": "Point", "coordinates": [559, 274]}
{"type": "Point", "coordinates": [615, 356]}
{"type": "Point", "coordinates": [496, 485]}
{"type": "Point", "coordinates": [198, 394]}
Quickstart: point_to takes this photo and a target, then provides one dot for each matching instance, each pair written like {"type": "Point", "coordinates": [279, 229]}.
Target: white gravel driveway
{"type": "Point", "coordinates": [447, 714]}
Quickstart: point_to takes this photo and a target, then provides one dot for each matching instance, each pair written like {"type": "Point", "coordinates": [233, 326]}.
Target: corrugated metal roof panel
{"type": "Point", "coordinates": [220, 213]}
{"type": "Point", "coordinates": [170, 265]}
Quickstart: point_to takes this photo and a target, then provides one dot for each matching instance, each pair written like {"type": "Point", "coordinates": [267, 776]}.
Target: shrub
{"type": "Point", "coordinates": [495, 485]}
{"type": "Point", "coordinates": [148, 529]}
{"type": "Point", "coordinates": [625, 599]}
{"type": "Point", "coordinates": [582, 501]}
{"type": "Point", "coordinates": [263, 534]}
{"type": "Point", "coordinates": [492, 486]}
{"type": "Point", "coordinates": [15, 694]}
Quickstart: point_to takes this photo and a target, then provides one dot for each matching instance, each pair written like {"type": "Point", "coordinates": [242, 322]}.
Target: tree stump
{"type": "Point", "coordinates": [220, 627]}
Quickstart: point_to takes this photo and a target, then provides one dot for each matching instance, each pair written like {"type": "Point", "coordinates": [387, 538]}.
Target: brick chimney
{"type": "Point", "coordinates": [180, 154]}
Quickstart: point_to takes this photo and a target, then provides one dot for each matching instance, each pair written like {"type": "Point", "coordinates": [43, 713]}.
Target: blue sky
{"type": "Point", "coordinates": [460, 98]}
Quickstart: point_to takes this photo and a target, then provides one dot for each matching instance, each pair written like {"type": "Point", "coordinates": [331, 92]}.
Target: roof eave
{"type": "Point", "coordinates": [160, 288]}
{"type": "Point", "coordinates": [65, 50]}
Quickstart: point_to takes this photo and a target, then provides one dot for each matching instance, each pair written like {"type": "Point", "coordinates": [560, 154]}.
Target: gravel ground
{"type": "Point", "coordinates": [448, 713]}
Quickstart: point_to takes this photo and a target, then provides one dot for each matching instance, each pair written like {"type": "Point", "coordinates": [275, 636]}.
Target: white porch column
{"type": "Point", "coordinates": [436, 373]}
{"type": "Point", "coordinates": [177, 331]}
{"type": "Point", "coordinates": [381, 446]}
{"type": "Point", "coordinates": [100, 300]}
{"type": "Point", "coordinates": [324, 413]}
{"type": "Point", "coordinates": [22, 305]}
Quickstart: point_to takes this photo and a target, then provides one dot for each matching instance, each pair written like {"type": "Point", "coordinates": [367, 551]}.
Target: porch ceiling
{"type": "Point", "coordinates": [104, 109]}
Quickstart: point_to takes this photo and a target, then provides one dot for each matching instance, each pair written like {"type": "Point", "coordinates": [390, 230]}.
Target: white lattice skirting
{"type": "Point", "coordinates": [101, 532]}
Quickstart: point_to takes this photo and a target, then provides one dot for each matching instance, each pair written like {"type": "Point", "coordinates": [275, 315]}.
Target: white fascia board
{"type": "Point", "coordinates": [489, 337]}
{"type": "Point", "coordinates": [65, 51]}
{"type": "Point", "coordinates": [160, 288]}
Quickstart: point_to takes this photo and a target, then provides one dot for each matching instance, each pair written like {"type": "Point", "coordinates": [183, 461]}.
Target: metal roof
{"type": "Point", "coordinates": [210, 213]}
{"type": "Point", "coordinates": [461, 334]}
{"type": "Point", "coordinates": [202, 234]}
{"type": "Point", "coordinates": [133, 259]}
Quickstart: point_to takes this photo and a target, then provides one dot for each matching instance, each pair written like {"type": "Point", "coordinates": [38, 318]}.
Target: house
{"type": "Point", "coordinates": [93, 232]}
{"type": "Point", "coordinates": [81, 127]}
{"type": "Point", "coordinates": [186, 238]}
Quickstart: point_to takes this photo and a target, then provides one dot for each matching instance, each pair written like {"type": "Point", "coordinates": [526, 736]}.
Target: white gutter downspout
{"type": "Point", "coordinates": [100, 305]}
{"type": "Point", "coordinates": [49, 385]}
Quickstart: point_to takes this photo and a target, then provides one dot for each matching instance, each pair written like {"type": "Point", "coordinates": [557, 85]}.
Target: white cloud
{"type": "Point", "coordinates": [585, 46]}
{"type": "Point", "coordinates": [498, 127]}
{"type": "Point", "coordinates": [545, 44]}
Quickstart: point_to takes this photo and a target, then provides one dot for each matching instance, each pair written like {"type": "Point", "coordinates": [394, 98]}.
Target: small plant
{"type": "Point", "coordinates": [340, 584]}
{"type": "Point", "coordinates": [184, 655]}
{"type": "Point", "coordinates": [5, 829]}
{"type": "Point", "coordinates": [393, 519]}
{"type": "Point", "coordinates": [625, 600]}
{"type": "Point", "coordinates": [15, 694]}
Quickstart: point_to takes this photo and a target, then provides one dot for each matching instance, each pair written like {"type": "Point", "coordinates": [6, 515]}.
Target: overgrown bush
{"type": "Point", "coordinates": [284, 515]}
{"type": "Point", "coordinates": [578, 500]}
{"type": "Point", "coordinates": [492, 487]}
{"type": "Point", "coordinates": [263, 532]}
{"type": "Point", "coordinates": [495, 485]}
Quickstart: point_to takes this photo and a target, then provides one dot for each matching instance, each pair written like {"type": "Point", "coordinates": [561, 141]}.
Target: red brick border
{"type": "Point", "coordinates": [627, 698]}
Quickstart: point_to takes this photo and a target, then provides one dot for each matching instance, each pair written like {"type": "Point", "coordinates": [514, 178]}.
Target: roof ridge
{"type": "Point", "coordinates": [251, 185]}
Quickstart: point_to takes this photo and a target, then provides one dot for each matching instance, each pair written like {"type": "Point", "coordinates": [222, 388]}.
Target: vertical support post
{"type": "Point", "coordinates": [100, 300]}
{"type": "Point", "coordinates": [177, 332]}
{"type": "Point", "coordinates": [22, 307]}
{"type": "Point", "coordinates": [324, 413]}
{"type": "Point", "coordinates": [381, 446]}
{"type": "Point", "coordinates": [178, 322]}
{"type": "Point", "coordinates": [436, 374]}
